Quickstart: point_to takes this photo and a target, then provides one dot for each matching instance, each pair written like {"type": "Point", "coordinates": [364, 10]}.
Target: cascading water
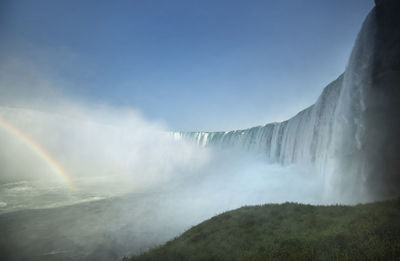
{"type": "Point", "coordinates": [302, 138]}
{"type": "Point", "coordinates": [350, 134]}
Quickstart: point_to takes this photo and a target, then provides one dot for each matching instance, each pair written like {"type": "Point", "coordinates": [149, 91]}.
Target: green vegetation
{"type": "Point", "coordinates": [290, 232]}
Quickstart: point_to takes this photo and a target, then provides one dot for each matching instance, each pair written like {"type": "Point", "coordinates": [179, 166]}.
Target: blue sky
{"type": "Point", "coordinates": [194, 65]}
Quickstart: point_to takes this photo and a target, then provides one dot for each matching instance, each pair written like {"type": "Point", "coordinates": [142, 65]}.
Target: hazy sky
{"type": "Point", "coordinates": [195, 65]}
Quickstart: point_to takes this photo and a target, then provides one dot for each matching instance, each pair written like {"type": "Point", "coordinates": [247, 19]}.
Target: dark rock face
{"type": "Point", "coordinates": [382, 117]}
{"type": "Point", "coordinates": [379, 3]}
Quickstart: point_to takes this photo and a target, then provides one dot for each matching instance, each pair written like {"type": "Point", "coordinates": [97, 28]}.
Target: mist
{"type": "Point", "coordinates": [118, 151]}
{"type": "Point", "coordinates": [89, 170]}
{"type": "Point", "coordinates": [134, 184]}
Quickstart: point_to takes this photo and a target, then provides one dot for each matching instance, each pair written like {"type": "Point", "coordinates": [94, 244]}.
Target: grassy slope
{"type": "Point", "coordinates": [291, 232]}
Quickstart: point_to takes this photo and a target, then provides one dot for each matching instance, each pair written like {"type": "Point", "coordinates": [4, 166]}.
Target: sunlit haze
{"type": "Point", "coordinates": [194, 65]}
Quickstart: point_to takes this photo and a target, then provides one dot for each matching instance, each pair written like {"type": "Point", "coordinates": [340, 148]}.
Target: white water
{"type": "Point", "coordinates": [303, 138]}
{"type": "Point", "coordinates": [337, 136]}
{"type": "Point", "coordinates": [331, 152]}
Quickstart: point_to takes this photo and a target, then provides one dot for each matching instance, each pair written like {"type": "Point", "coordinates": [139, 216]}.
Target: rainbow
{"type": "Point", "coordinates": [35, 147]}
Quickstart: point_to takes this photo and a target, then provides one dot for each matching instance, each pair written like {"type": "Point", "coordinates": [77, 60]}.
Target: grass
{"type": "Point", "coordinates": [290, 231]}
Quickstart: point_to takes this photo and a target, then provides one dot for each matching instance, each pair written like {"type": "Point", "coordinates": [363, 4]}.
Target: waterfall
{"type": "Point", "coordinates": [350, 134]}
{"type": "Point", "coordinates": [301, 138]}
